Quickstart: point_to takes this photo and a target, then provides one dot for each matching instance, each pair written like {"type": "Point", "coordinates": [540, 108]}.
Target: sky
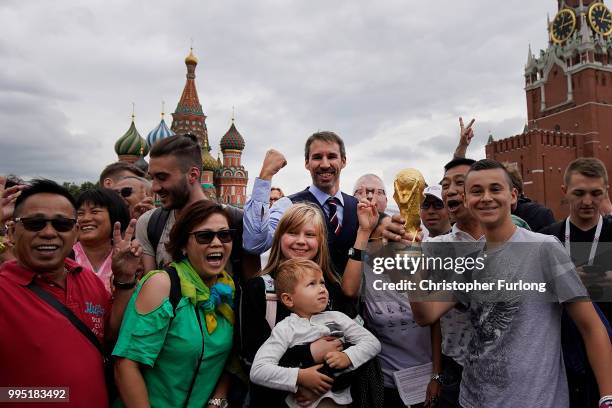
{"type": "Point", "coordinates": [391, 77]}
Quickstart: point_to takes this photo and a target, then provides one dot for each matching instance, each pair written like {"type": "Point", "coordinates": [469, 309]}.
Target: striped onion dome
{"type": "Point", "coordinates": [160, 132]}
{"type": "Point", "coordinates": [131, 143]}
{"type": "Point", "coordinates": [232, 139]}
{"type": "Point", "coordinates": [209, 163]}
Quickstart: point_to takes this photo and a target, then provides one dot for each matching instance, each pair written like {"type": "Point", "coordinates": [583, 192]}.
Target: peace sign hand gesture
{"type": "Point", "coordinates": [126, 253]}
{"type": "Point", "coordinates": [466, 133]}
{"type": "Point", "coordinates": [8, 196]}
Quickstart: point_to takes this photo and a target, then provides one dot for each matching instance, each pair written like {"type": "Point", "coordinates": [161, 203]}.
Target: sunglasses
{"type": "Point", "coordinates": [437, 205]}
{"type": "Point", "coordinates": [125, 192]}
{"type": "Point", "coordinates": [35, 224]}
{"type": "Point", "coordinates": [206, 237]}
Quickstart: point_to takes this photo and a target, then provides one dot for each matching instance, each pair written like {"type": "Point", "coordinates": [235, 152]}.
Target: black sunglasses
{"type": "Point", "coordinates": [437, 205]}
{"type": "Point", "coordinates": [125, 192]}
{"type": "Point", "coordinates": [206, 237]}
{"type": "Point", "coordinates": [35, 224]}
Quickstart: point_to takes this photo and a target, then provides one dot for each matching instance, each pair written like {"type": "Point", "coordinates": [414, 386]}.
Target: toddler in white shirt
{"type": "Point", "coordinates": [301, 287]}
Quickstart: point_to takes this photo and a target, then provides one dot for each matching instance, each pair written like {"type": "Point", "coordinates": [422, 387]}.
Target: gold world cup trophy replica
{"type": "Point", "coordinates": [409, 185]}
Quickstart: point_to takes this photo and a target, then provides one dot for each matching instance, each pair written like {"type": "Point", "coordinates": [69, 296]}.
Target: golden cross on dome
{"type": "Point", "coordinates": [133, 111]}
{"type": "Point", "coordinates": [163, 108]}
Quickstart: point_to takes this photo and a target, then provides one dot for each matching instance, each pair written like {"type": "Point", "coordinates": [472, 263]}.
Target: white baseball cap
{"type": "Point", "coordinates": [434, 191]}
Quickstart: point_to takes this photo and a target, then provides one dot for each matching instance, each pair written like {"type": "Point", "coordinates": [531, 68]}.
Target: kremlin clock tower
{"type": "Point", "coordinates": [569, 102]}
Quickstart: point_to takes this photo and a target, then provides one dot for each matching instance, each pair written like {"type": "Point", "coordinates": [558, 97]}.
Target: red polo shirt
{"type": "Point", "coordinates": [39, 347]}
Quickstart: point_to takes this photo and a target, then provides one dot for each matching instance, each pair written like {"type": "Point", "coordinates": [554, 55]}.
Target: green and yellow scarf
{"type": "Point", "coordinates": [220, 297]}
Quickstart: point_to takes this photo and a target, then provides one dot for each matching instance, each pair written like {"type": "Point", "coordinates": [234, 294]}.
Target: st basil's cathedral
{"type": "Point", "coordinates": [224, 180]}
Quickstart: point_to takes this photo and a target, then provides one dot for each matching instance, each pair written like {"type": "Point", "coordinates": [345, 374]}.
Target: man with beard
{"type": "Point", "coordinates": [509, 335]}
{"type": "Point", "coordinates": [325, 157]}
{"type": "Point", "coordinates": [175, 168]}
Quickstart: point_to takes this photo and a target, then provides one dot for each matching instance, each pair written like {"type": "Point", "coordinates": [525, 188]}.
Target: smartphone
{"type": "Point", "coordinates": [596, 269]}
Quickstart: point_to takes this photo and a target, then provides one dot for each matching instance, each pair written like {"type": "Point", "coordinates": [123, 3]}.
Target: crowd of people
{"type": "Point", "coordinates": [144, 292]}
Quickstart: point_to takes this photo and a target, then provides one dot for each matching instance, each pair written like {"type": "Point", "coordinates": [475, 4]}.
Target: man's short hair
{"type": "Point", "coordinates": [588, 167]}
{"type": "Point", "coordinates": [515, 176]}
{"type": "Point", "coordinates": [113, 170]}
{"type": "Point", "coordinates": [41, 186]}
{"type": "Point", "coordinates": [488, 164]}
{"type": "Point", "coordinates": [325, 136]}
{"type": "Point", "coordinates": [184, 147]}
{"type": "Point", "coordinates": [458, 161]}
{"type": "Point", "coordinates": [290, 272]}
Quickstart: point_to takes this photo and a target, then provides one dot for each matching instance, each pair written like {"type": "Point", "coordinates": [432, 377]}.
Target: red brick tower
{"type": "Point", "coordinates": [188, 118]}
{"type": "Point", "coordinates": [231, 178]}
{"type": "Point", "coordinates": [569, 102]}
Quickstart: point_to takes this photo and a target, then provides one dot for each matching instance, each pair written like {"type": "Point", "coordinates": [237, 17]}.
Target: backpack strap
{"type": "Point", "coordinates": [175, 295]}
{"type": "Point", "coordinates": [156, 225]}
{"type": "Point", "coordinates": [271, 300]}
{"type": "Point", "coordinates": [175, 287]}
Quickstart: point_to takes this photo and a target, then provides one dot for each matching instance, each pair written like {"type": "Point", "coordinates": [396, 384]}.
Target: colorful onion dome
{"type": "Point", "coordinates": [209, 163]}
{"type": "Point", "coordinates": [232, 139]}
{"type": "Point", "coordinates": [131, 143]}
{"type": "Point", "coordinates": [191, 59]}
{"type": "Point", "coordinates": [160, 132]}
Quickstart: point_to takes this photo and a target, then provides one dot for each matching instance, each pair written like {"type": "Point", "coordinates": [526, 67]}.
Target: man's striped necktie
{"type": "Point", "coordinates": [333, 203]}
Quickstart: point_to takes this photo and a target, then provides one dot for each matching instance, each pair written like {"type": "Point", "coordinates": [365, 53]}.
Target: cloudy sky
{"type": "Point", "coordinates": [391, 77]}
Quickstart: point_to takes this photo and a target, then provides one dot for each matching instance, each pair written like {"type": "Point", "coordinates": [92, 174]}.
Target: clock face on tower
{"type": "Point", "coordinates": [563, 25]}
{"type": "Point", "coordinates": [600, 18]}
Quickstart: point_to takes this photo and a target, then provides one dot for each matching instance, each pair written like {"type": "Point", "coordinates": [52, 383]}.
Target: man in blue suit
{"type": "Point", "coordinates": [325, 157]}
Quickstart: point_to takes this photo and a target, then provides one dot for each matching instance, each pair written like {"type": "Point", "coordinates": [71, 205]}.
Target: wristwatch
{"type": "Point", "coordinates": [124, 285]}
{"type": "Point", "coordinates": [355, 254]}
{"type": "Point", "coordinates": [437, 378]}
{"type": "Point", "coordinates": [218, 402]}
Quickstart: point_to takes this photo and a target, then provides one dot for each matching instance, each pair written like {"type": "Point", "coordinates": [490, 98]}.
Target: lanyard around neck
{"type": "Point", "coordinates": [595, 239]}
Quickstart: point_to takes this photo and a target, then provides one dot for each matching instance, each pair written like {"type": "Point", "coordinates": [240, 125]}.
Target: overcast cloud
{"type": "Point", "coordinates": [391, 77]}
